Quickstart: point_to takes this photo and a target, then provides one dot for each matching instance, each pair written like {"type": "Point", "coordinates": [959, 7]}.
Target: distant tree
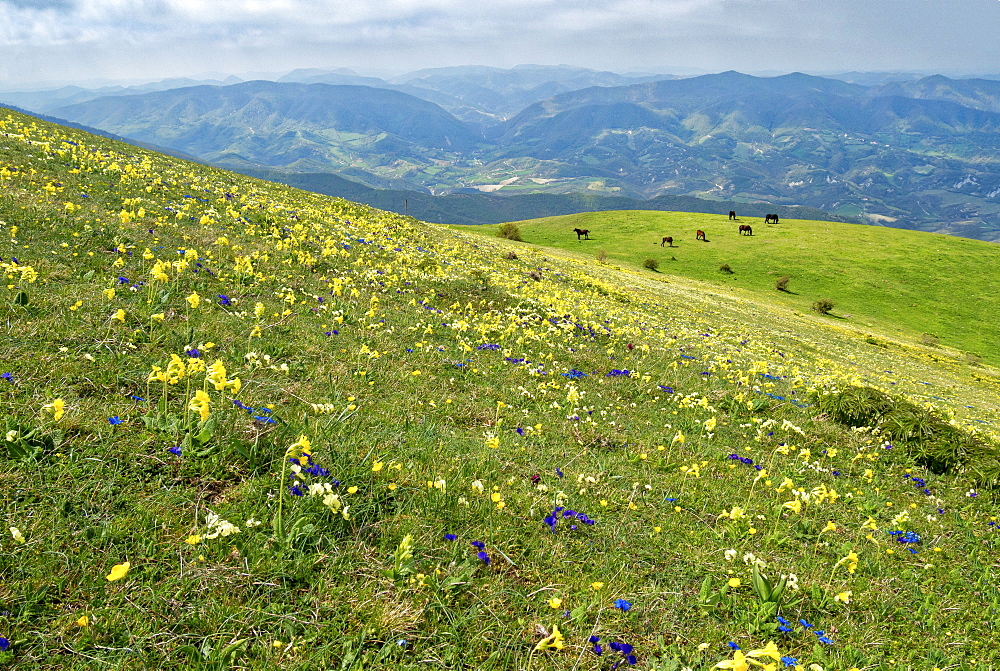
{"type": "Point", "coordinates": [602, 255]}
{"type": "Point", "coordinates": [724, 268]}
{"type": "Point", "coordinates": [652, 264]}
{"type": "Point", "coordinates": [823, 306]}
{"type": "Point", "coordinates": [782, 283]}
{"type": "Point", "coordinates": [510, 231]}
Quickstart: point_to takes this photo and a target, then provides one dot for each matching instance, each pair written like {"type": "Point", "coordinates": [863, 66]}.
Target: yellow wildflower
{"type": "Point", "coordinates": [200, 404]}
{"type": "Point", "coordinates": [57, 407]}
{"type": "Point", "coordinates": [118, 571]}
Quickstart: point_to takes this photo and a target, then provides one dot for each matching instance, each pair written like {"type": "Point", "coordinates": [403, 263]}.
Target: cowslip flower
{"type": "Point", "coordinates": [57, 408]}
{"type": "Point", "coordinates": [200, 403]}
{"type": "Point", "coordinates": [843, 597]}
{"type": "Point", "coordinates": [555, 603]}
{"type": "Point", "coordinates": [194, 299]}
{"type": "Point", "coordinates": [83, 621]}
{"type": "Point", "coordinates": [795, 505]}
{"type": "Point", "coordinates": [118, 571]}
{"type": "Point", "coordinates": [553, 641]}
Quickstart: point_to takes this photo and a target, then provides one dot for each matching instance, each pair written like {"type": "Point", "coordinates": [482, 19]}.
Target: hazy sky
{"type": "Point", "coordinates": [78, 40]}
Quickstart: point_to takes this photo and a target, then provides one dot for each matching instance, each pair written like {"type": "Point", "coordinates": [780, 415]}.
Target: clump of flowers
{"type": "Point", "coordinates": [562, 513]}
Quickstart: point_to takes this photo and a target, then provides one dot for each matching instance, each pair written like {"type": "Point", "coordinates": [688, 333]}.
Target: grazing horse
{"type": "Point", "coordinates": [770, 218]}
{"type": "Point", "coordinates": [582, 233]}
{"type": "Point", "coordinates": [732, 215]}
{"type": "Point", "coordinates": [668, 241]}
{"type": "Point", "coordinates": [745, 228]}
{"type": "Point", "coordinates": [700, 235]}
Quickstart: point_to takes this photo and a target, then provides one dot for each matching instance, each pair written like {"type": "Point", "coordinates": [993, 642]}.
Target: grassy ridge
{"type": "Point", "coordinates": [902, 282]}
{"type": "Point", "coordinates": [250, 427]}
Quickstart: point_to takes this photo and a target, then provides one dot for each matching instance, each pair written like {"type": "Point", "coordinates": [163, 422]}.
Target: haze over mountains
{"type": "Point", "coordinates": [920, 153]}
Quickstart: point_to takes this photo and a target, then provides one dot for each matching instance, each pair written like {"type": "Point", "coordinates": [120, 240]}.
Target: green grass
{"type": "Point", "coordinates": [448, 383]}
{"type": "Point", "coordinates": [902, 282]}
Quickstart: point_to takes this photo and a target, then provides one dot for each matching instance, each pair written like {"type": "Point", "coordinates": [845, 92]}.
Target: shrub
{"type": "Point", "coordinates": [511, 256]}
{"type": "Point", "coordinates": [930, 340]}
{"type": "Point", "coordinates": [782, 283]}
{"type": "Point", "coordinates": [724, 268]}
{"type": "Point", "coordinates": [510, 231]}
{"type": "Point", "coordinates": [652, 264]}
{"type": "Point", "coordinates": [928, 438]}
{"type": "Point", "coordinates": [602, 255]}
{"type": "Point", "coordinates": [823, 306]}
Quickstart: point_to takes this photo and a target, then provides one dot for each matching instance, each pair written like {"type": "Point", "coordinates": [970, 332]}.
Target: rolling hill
{"type": "Point", "coordinates": [252, 426]}
{"type": "Point", "coordinates": [915, 154]}
{"type": "Point", "coordinates": [918, 293]}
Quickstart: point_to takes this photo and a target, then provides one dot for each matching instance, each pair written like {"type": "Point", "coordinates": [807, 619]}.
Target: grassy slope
{"type": "Point", "coordinates": [903, 282]}
{"type": "Point", "coordinates": [433, 375]}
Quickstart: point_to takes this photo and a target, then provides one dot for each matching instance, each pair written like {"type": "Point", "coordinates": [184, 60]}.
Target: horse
{"type": "Point", "coordinates": [732, 215]}
{"type": "Point", "coordinates": [745, 228]}
{"type": "Point", "coordinates": [770, 218]}
{"type": "Point", "coordinates": [668, 240]}
{"type": "Point", "coordinates": [700, 235]}
{"type": "Point", "coordinates": [582, 232]}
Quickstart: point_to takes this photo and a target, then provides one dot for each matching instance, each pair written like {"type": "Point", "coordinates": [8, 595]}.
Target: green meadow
{"type": "Point", "coordinates": [936, 287]}
{"type": "Point", "coordinates": [249, 427]}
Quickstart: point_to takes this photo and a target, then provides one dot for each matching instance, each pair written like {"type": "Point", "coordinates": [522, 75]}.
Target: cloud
{"type": "Point", "coordinates": [161, 37]}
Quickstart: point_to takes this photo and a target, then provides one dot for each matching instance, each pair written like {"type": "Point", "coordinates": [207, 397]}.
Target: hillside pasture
{"type": "Point", "coordinates": [903, 283]}
{"type": "Point", "coordinates": [248, 427]}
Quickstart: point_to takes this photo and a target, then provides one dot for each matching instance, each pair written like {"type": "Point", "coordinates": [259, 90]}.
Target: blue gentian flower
{"type": "Point", "coordinates": [484, 557]}
{"type": "Point", "coordinates": [789, 661]}
{"type": "Point", "coordinates": [478, 544]}
{"type": "Point", "coordinates": [224, 300]}
{"type": "Point", "coordinates": [175, 450]}
{"type": "Point", "coordinates": [450, 537]}
{"type": "Point", "coordinates": [4, 643]}
{"type": "Point", "coordinates": [622, 604]}
{"type": "Point", "coordinates": [114, 421]}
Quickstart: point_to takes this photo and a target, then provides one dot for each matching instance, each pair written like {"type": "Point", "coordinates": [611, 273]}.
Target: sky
{"type": "Point", "coordinates": [82, 41]}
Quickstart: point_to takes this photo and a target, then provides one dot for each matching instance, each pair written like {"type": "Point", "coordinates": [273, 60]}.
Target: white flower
{"type": "Point", "coordinates": [16, 533]}
{"type": "Point", "coordinates": [730, 555]}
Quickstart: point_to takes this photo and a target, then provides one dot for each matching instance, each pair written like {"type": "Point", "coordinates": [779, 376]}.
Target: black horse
{"type": "Point", "coordinates": [732, 215]}
{"type": "Point", "coordinates": [770, 218]}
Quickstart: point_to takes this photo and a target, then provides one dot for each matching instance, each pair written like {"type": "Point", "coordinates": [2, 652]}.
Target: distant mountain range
{"type": "Point", "coordinates": [920, 153]}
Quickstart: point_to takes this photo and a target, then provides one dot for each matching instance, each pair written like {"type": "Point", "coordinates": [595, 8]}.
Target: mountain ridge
{"type": "Point", "coordinates": [927, 162]}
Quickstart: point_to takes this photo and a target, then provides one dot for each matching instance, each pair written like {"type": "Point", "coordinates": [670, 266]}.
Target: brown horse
{"type": "Point", "coordinates": [732, 214]}
{"type": "Point", "coordinates": [745, 229]}
{"type": "Point", "coordinates": [582, 233]}
{"type": "Point", "coordinates": [667, 240]}
{"type": "Point", "coordinates": [700, 235]}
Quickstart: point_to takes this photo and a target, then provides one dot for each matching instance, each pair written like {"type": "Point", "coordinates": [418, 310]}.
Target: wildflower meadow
{"type": "Point", "coordinates": [251, 427]}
